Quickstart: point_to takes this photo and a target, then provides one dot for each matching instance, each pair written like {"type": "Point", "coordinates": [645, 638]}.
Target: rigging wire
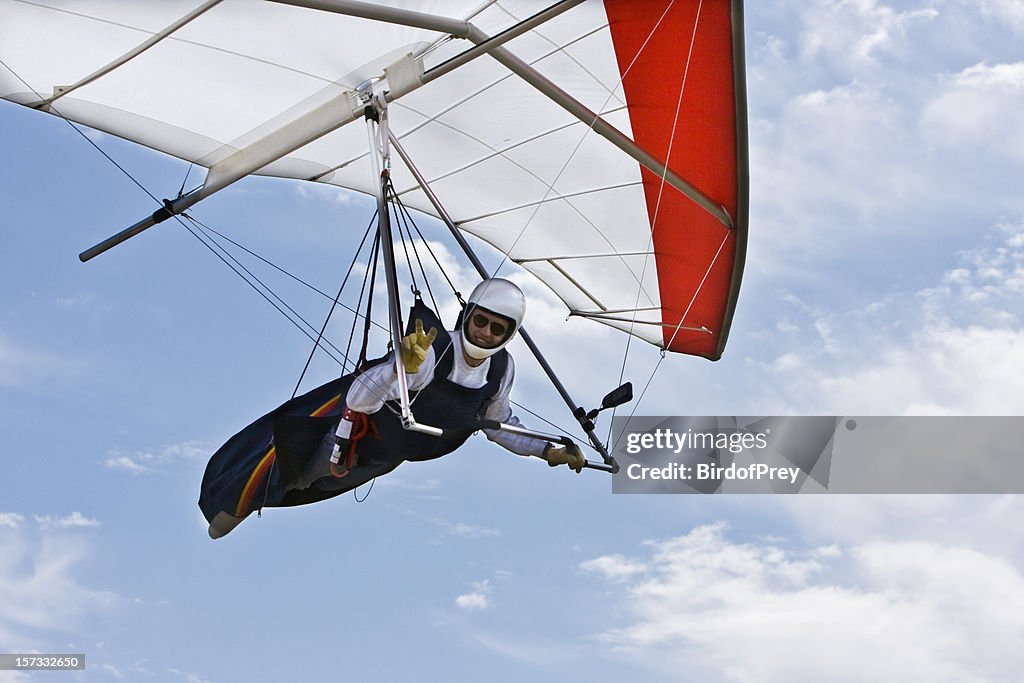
{"type": "Point", "coordinates": [362, 292]}
{"type": "Point", "coordinates": [551, 424]}
{"type": "Point", "coordinates": [402, 207]}
{"type": "Point", "coordinates": [405, 220]}
{"type": "Point", "coordinates": [330, 312]}
{"type": "Point", "coordinates": [404, 216]}
{"type": "Point", "coordinates": [224, 258]}
{"type": "Point", "coordinates": [657, 213]}
{"type": "Point", "coordinates": [78, 130]}
{"type": "Point", "coordinates": [661, 189]}
{"type": "Point", "coordinates": [202, 233]}
{"type": "Point", "coordinates": [345, 361]}
{"type": "Point", "coordinates": [281, 270]}
{"type": "Point", "coordinates": [181, 190]}
{"type": "Point", "coordinates": [258, 283]}
{"type": "Point", "coordinates": [590, 128]}
{"type": "Point", "coordinates": [572, 154]}
{"type": "Point", "coordinates": [335, 300]}
{"type": "Point", "coordinates": [366, 289]}
{"type": "Point", "coordinates": [700, 286]}
{"type": "Point", "coordinates": [253, 281]}
{"type": "Point", "coordinates": [454, 104]}
{"type": "Point", "coordinates": [402, 230]}
{"type": "Point", "coordinates": [370, 282]}
{"type": "Point", "coordinates": [407, 239]}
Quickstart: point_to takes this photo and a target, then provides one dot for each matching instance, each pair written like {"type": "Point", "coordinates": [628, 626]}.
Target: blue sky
{"type": "Point", "coordinates": [884, 277]}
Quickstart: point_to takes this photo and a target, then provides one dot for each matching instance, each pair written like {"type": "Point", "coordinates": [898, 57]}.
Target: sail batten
{"type": "Point", "coordinates": [271, 91]}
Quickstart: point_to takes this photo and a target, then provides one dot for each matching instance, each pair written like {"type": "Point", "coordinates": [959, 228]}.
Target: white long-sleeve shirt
{"type": "Point", "coordinates": [378, 384]}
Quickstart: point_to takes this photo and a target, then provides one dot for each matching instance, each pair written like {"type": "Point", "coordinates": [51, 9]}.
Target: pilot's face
{"type": "Point", "coordinates": [486, 329]}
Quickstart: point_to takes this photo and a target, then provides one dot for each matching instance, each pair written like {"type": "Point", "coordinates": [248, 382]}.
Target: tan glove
{"type": "Point", "coordinates": [415, 347]}
{"type": "Point", "coordinates": [560, 455]}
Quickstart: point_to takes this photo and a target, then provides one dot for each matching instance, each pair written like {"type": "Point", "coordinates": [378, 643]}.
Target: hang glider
{"type": "Point", "coordinates": [600, 145]}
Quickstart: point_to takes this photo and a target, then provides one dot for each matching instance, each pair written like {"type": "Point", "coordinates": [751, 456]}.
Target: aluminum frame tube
{"type": "Point", "coordinates": [611, 467]}
{"type": "Point", "coordinates": [325, 118]}
{"type": "Point", "coordinates": [390, 274]}
{"type": "Point", "coordinates": [467, 30]}
{"type": "Point", "coordinates": [482, 271]}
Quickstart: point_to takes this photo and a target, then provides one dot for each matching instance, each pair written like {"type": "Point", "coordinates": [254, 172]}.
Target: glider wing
{"type": "Point", "coordinates": [603, 149]}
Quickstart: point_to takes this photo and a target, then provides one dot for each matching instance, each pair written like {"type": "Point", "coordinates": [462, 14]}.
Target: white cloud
{"type": "Point", "coordinates": [331, 194]}
{"type": "Point", "coordinates": [477, 599]}
{"type": "Point", "coordinates": [938, 371]}
{"type": "Point", "coordinates": [856, 31]}
{"type": "Point", "coordinates": [992, 275]}
{"type": "Point", "coordinates": [125, 462]}
{"type": "Point", "coordinates": [613, 567]}
{"type": "Point", "coordinates": [987, 524]}
{"type": "Point", "coordinates": [760, 612]}
{"type": "Point", "coordinates": [11, 519]}
{"type": "Point", "coordinates": [75, 300]}
{"type": "Point", "coordinates": [955, 348]}
{"type": "Point", "coordinates": [463, 530]}
{"type": "Point", "coordinates": [74, 520]}
{"type": "Point", "coordinates": [1010, 12]}
{"type": "Point", "coordinates": [973, 108]}
{"type": "Point", "coordinates": [144, 462]}
{"type": "Point", "coordinates": [97, 136]}
{"type": "Point", "coordinates": [472, 601]}
{"type": "Point", "coordinates": [834, 163]}
{"type": "Point", "coordinates": [39, 585]}
{"type": "Point", "coordinates": [863, 123]}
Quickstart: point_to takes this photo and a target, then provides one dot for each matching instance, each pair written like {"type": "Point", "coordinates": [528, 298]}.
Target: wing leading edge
{"type": "Point", "coordinates": [217, 81]}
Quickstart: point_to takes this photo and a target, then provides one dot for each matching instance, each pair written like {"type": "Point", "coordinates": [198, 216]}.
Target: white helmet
{"type": "Point", "coordinates": [498, 296]}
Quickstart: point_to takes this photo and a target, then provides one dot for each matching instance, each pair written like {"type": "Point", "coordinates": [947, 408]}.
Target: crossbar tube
{"type": "Point", "coordinates": [485, 44]}
{"type": "Point", "coordinates": [338, 111]}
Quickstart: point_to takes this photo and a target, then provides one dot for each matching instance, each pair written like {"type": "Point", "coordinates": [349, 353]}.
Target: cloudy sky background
{"type": "Point", "coordinates": [885, 277]}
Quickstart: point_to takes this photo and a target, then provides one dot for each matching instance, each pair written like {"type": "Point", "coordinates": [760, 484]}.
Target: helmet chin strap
{"type": "Point", "coordinates": [478, 352]}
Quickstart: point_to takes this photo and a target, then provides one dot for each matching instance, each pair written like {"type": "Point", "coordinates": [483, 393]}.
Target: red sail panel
{"type": "Point", "coordinates": [677, 62]}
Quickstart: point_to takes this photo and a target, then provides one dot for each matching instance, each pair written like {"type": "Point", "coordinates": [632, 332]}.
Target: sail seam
{"type": "Point", "coordinates": [569, 257]}
{"type": "Point", "coordinates": [572, 154]}
{"type": "Point", "coordinates": [547, 198]}
{"type": "Point", "coordinates": [435, 118]}
{"type": "Point", "coordinates": [502, 150]}
{"type": "Point", "coordinates": [650, 239]}
{"type": "Point", "coordinates": [153, 40]}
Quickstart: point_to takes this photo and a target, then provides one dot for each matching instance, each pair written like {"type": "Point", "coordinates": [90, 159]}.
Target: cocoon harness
{"type": "Point", "coordinates": [253, 468]}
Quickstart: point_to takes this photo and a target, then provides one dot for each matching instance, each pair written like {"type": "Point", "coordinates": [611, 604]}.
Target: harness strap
{"type": "Point", "coordinates": [361, 426]}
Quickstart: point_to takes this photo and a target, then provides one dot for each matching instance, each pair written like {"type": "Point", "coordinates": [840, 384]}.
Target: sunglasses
{"type": "Point", "coordinates": [497, 329]}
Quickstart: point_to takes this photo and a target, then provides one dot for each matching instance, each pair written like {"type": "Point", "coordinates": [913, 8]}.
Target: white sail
{"type": "Point", "coordinates": [241, 86]}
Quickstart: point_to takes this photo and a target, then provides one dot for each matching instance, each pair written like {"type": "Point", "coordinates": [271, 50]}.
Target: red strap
{"type": "Point", "coordinates": [361, 426]}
